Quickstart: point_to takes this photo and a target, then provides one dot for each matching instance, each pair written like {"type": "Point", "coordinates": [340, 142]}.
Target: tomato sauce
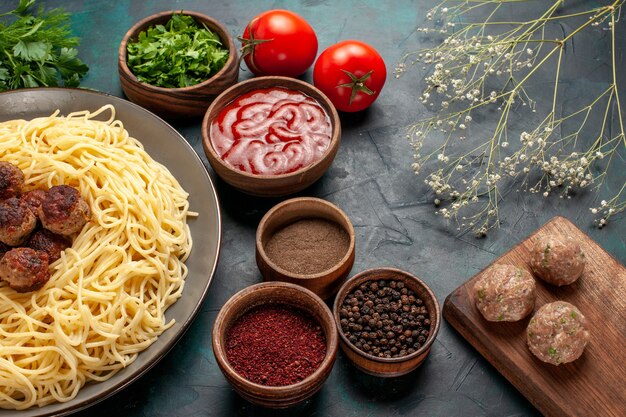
{"type": "Point", "coordinates": [271, 131]}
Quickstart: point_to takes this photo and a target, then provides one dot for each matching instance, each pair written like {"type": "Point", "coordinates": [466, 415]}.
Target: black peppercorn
{"type": "Point", "coordinates": [384, 318]}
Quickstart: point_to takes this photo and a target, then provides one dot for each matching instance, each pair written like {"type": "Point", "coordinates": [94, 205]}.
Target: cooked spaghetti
{"type": "Point", "coordinates": [107, 295]}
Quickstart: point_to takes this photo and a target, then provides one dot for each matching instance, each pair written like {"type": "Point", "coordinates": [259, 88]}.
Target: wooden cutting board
{"type": "Point", "coordinates": [593, 385]}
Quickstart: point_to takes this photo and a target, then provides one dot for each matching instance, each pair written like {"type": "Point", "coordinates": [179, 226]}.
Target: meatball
{"type": "Point", "coordinates": [505, 293]}
{"type": "Point", "coordinates": [11, 180]}
{"type": "Point", "coordinates": [52, 244]}
{"type": "Point", "coordinates": [557, 333]}
{"type": "Point", "coordinates": [558, 261]}
{"type": "Point", "coordinates": [64, 211]}
{"type": "Point", "coordinates": [16, 221]}
{"type": "Point", "coordinates": [33, 200]}
{"type": "Point", "coordinates": [25, 269]}
{"type": "Point", "coordinates": [4, 249]}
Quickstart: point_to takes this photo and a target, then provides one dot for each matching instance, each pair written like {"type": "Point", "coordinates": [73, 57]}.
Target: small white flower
{"type": "Point", "coordinates": [603, 203]}
{"type": "Point", "coordinates": [602, 221]}
{"type": "Point", "coordinates": [545, 194]}
{"type": "Point", "coordinates": [462, 126]}
{"type": "Point", "coordinates": [437, 201]}
{"type": "Point", "coordinates": [594, 210]}
{"type": "Point", "coordinates": [529, 51]}
{"type": "Point", "coordinates": [505, 144]}
{"type": "Point", "coordinates": [444, 10]}
{"type": "Point", "coordinates": [600, 155]}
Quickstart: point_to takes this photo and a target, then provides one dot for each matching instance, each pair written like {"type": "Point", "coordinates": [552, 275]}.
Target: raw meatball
{"type": "Point", "coordinates": [64, 211]}
{"type": "Point", "coordinates": [11, 180]}
{"type": "Point", "coordinates": [33, 200]}
{"type": "Point", "coordinates": [24, 269]}
{"type": "Point", "coordinates": [51, 243]}
{"type": "Point", "coordinates": [558, 261]}
{"type": "Point", "coordinates": [505, 293]}
{"type": "Point", "coordinates": [557, 334]}
{"type": "Point", "coordinates": [16, 221]}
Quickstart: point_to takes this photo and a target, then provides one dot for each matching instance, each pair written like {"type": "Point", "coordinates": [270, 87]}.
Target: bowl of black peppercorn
{"type": "Point", "coordinates": [387, 320]}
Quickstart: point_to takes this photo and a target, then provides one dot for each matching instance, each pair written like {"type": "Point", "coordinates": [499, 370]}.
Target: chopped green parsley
{"type": "Point", "coordinates": [180, 53]}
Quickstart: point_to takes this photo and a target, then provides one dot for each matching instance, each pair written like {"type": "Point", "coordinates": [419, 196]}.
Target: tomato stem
{"type": "Point", "coordinates": [357, 84]}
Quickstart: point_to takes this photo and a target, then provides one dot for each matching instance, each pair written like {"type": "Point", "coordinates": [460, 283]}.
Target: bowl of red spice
{"type": "Point", "coordinates": [387, 320]}
{"type": "Point", "coordinates": [174, 63]}
{"type": "Point", "coordinates": [306, 241]}
{"type": "Point", "coordinates": [275, 343]}
{"type": "Point", "coordinates": [271, 136]}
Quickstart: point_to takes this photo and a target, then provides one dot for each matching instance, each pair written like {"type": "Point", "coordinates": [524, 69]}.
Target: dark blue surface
{"type": "Point", "coordinates": [390, 208]}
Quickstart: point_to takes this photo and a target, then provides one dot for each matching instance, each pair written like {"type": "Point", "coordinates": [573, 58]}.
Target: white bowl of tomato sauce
{"type": "Point", "coordinates": [271, 136]}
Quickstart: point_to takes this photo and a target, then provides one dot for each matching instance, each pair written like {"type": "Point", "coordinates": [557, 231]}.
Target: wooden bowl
{"type": "Point", "coordinates": [389, 367]}
{"type": "Point", "coordinates": [275, 293]}
{"type": "Point", "coordinates": [185, 102]}
{"type": "Point", "coordinates": [325, 283]}
{"type": "Point", "coordinates": [270, 185]}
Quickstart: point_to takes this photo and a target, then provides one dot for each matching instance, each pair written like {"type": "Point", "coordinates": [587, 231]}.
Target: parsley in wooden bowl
{"type": "Point", "coordinates": [175, 63]}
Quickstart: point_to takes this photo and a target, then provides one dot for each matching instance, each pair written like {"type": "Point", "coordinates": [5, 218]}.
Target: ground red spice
{"type": "Point", "coordinates": [275, 345]}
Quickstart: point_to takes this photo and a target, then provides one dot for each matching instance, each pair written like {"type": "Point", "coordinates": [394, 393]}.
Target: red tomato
{"type": "Point", "coordinates": [279, 42]}
{"type": "Point", "coordinates": [351, 73]}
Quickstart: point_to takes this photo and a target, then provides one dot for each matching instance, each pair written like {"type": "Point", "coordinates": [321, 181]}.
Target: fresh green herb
{"type": "Point", "coordinates": [573, 314]}
{"type": "Point", "coordinates": [546, 252]}
{"type": "Point", "coordinates": [481, 294]}
{"type": "Point", "coordinates": [552, 351]}
{"type": "Point", "coordinates": [179, 54]}
{"type": "Point", "coordinates": [36, 50]}
{"type": "Point", "coordinates": [500, 317]}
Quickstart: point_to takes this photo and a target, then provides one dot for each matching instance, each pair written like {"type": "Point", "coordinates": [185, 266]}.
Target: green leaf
{"type": "Point", "coordinates": [37, 50]}
{"type": "Point", "coordinates": [30, 51]}
{"type": "Point", "coordinates": [23, 6]}
{"type": "Point", "coordinates": [29, 81]}
{"type": "Point", "coordinates": [69, 64]}
{"type": "Point", "coordinates": [33, 30]}
{"type": "Point", "coordinates": [72, 81]}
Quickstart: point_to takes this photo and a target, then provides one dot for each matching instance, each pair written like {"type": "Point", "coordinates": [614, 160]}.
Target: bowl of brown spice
{"type": "Point", "coordinates": [387, 321]}
{"type": "Point", "coordinates": [306, 241]}
{"type": "Point", "coordinates": [275, 343]}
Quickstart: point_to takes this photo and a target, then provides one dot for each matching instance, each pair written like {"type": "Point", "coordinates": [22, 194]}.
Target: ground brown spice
{"type": "Point", "coordinates": [308, 246]}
